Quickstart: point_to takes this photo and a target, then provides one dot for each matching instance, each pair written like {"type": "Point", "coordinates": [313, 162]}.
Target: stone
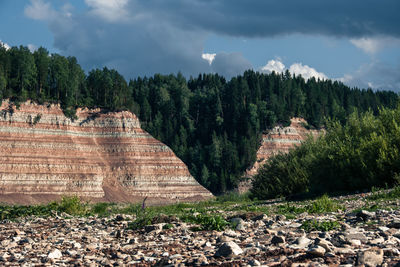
{"type": "Point", "coordinates": [153, 227]}
{"type": "Point", "coordinates": [302, 241]}
{"type": "Point", "coordinates": [236, 221]}
{"type": "Point", "coordinates": [252, 250]}
{"type": "Point", "coordinates": [231, 233]}
{"type": "Point", "coordinates": [383, 228]}
{"type": "Point", "coordinates": [395, 224]}
{"type": "Point", "coordinates": [55, 254]}
{"type": "Point", "coordinates": [377, 241]}
{"type": "Point", "coordinates": [276, 240]}
{"type": "Point", "coordinates": [355, 242]}
{"type": "Point", "coordinates": [280, 217]}
{"type": "Point", "coordinates": [365, 215]}
{"type": "Point", "coordinates": [370, 258]}
{"type": "Point", "coordinates": [77, 245]}
{"type": "Point", "coordinates": [240, 227]}
{"type": "Point", "coordinates": [254, 262]}
{"type": "Point", "coordinates": [327, 245]}
{"type": "Point", "coordinates": [316, 251]}
{"type": "Point", "coordinates": [224, 238]}
{"type": "Point", "coordinates": [228, 249]}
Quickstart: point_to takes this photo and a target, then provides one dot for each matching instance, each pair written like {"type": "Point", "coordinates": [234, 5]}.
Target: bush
{"type": "Point", "coordinates": [73, 206]}
{"type": "Point", "coordinates": [322, 204]}
{"type": "Point", "coordinates": [207, 222]}
{"type": "Point", "coordinates": [365, 152]}
{"type": "Point", "coordinates": [101, 209]}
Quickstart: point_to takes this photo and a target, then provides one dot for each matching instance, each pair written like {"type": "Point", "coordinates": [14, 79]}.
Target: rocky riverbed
{"type": "Point", "coordinates": [355, 238]}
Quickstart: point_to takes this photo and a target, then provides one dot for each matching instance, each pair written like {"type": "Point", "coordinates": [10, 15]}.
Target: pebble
{"type": "Point", "coordinates": [55, 254]}
{"type": "Point", "coordinates": [371, 257]}
{"type": "Point", "coordinates": [316, 251]}
{"type": "Point", "coordinates": [228, 249]}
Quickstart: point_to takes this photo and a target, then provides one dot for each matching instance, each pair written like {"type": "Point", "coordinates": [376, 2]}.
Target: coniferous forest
{"type": "Point", "coordinates": [212, 124]}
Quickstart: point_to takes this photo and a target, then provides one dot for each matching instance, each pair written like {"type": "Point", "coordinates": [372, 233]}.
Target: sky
{"type": "Point", "coordinates": [356, 42]}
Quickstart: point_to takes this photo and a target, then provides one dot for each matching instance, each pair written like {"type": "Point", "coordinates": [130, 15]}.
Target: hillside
{"type": "Point", "coordinates": [98, 156]}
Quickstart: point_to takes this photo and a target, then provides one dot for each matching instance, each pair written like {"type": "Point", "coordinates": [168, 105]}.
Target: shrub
{"type": "Point", "coordinates": [101, 209]}
{"type": "Point", "coordinates": [363, 153]}
{"type": "Point", "coordinates": [207, 222]}
{"type": "Point", "coordinates": [322, 204]}
{"type": "Point", "coordinates": [72, 205]}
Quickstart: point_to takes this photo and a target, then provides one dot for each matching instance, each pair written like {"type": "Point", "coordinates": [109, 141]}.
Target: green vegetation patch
{"type": "Point", "coordinates": [322, 205]}
{"type": "Point", "coordinates": [362, 153]}
{"type": "Point", "coordinates": [325, 226]}
{"type": "Point", "coordinates": [379, 194]}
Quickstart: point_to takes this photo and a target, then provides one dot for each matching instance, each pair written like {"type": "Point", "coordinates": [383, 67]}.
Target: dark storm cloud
{"type": "Point", "coordinates": [156, 36]}
{"type": "Point", "coordinates": [263, 18]}
{"type": "Point", "coordinates": [230, 65]}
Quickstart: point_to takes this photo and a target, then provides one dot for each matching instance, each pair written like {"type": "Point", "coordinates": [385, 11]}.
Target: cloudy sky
{"type": "Point", "coordinates": [356, 41]}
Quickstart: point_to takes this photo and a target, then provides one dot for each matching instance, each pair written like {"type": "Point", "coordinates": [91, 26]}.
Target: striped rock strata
{"type": "Point", "coordinates": [277, 140]}
{"type": "Point", "coordinates": [103, 157]}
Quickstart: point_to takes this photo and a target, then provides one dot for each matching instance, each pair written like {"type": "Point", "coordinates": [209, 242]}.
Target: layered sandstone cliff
{"type": "Point", "coordinates": [278, 140]}
{"type": "Point", "coordinates": [99, 156]}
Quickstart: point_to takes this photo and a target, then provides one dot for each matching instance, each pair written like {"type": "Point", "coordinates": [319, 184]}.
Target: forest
{"type": "Point", "coordinates": [212, 124]}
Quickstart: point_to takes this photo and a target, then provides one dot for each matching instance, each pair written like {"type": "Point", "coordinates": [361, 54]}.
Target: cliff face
{"type": "Point", "coordinates": [279, 139]}
{"type": "Point", "coordinates": [104, 157]}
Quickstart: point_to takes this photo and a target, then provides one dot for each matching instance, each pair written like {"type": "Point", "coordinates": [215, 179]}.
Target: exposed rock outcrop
{"type": "Point", "coordinates": [278, 140]}
{"type": "Point", "coordinates": [100, 156]}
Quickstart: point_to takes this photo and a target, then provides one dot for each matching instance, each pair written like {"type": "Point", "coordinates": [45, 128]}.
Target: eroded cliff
{"type": "Point", "coordinates": [278, 140]}
{"type": "Point", "coordinates": [99, 156]}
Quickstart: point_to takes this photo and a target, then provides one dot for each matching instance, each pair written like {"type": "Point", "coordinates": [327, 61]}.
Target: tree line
{"type": "Point", "coordinates": [212, 124]}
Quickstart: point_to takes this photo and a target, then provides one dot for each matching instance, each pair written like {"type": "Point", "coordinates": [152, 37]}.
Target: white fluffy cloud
{"type": "Point", "coordinates": [39, 10]}
{"type": "Point", "coordinates": [373, 45]}
{"type": "Point", "coordinates": [306, 72]}
{"type": "Point", "coordinates": [208, 57]}
{"type": "Point", "coordinates": [274, 65]}
{"type": "Point", "coordinates": [297, 68]}
{"type": "Point", "coordinates": [110, 10]}
{"type": "Point", "coordinates": [368, 45]}
{"type": "Point", "coordinates": [6, 46]}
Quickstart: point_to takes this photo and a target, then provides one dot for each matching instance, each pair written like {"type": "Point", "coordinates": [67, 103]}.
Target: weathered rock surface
{"type": "Point", "coordinates": [102, 156]}
{"type": "Point", "coordinates": [278, 140]}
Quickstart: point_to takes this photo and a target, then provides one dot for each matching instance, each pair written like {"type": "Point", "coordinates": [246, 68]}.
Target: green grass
{"type": "Point", "coordinates": [207, 222]}
{"type": "Point", "coordinates": [207, 215]}
{"type": "Point", "coordinates": [325, 226]}
{"type": "Point", "coordinates": [287, 209]}
{"type": "Point", "coordinates": [69, 205]}
{"type": "Point", "coordinates": [322, 205]}
{"type": "Point", "coordinates": [102, 209]}
{"type": "Point", "coordinates": [378, 194]}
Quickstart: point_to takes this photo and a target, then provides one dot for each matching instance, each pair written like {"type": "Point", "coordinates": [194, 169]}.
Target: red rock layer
{"type": "Point", "coordinates": [278, 140]}
{"type": "Point", "coordinates": [105, 157]}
